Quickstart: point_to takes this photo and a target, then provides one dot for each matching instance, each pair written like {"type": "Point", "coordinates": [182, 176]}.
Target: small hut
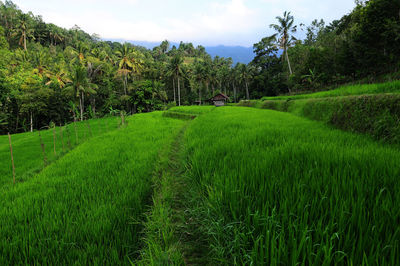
{"type": "Point", "coordinates": [219, 99]}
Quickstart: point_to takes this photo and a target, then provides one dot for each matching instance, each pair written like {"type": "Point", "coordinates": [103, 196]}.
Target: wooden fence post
{"type": "Point", "coordinates": [69, 137]}
{"type": "Point", "coordinates": [62, 138]}
{"type": "Point", "coordinates": [76, 134]}
{"type": "Point", "coordinates": [54, 140]}
{"type": "Point", "coordinates": [122, 118]}
{"type": "Point", "coordinates": [12, 157]}
{"type": "Point", "coordinates": [90, 130]}
{"type": "Point", "coordinates": [43, 150]}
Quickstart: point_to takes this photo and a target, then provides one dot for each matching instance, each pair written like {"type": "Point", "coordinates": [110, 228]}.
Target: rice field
{"type": "Point", "coordinates": [86, 208]}
{"type": "Point", "coordinates": [283, 190]}
{"type": "Point", "coordinates": [28, 154]}
{"type": "Point", "coordinates": [234, 186]}
{"type": "Point", "coordinates": [377, 88]}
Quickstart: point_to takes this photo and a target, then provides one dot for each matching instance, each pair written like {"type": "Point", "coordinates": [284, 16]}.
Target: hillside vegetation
{"type": "Point", "coordinates": [51, 74]}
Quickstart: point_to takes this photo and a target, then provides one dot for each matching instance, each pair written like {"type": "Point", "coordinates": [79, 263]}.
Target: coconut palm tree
{"type": "Point", "coordinates": [129, 61]}
{"type": "Point", "coordinates": [176, 66]}
{"type": "Point", "coordinates": [23, 31]}
{"type": "Point", "coordinates": [245, 74]}
{"type": "Point", "coordinates": [80, 85]}
{"type": "Point", "coordinates": [283, 35]}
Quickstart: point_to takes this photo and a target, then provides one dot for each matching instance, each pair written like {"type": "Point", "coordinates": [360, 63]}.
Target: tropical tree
{"type": "Point", "coordinates": [175, 66]}
{"type": "Point", "coordinates": [283, 36]}
{"type": "Point", "coordinates": [23, 30]}
{"type": "Point", "coordinates": [245, 74]}
{"type": "Point", "coordinates": [80, 86]}
{"type": "Point", "coordinates": [129, 61]}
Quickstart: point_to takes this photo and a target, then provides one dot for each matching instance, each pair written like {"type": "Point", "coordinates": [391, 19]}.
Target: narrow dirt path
{"type": "Point", "coordinates": [173, 233]}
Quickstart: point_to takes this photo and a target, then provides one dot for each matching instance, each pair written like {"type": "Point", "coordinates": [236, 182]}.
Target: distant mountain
{"type": "Point", "coordinates": [239, 54]}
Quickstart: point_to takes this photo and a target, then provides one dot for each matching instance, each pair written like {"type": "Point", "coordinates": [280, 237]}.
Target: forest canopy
{"type": "Point", "coordinates": [51, 74]}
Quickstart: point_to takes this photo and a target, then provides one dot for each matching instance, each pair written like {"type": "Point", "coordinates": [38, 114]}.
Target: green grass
{"type": "Point", "coordinates": [284, 190]}
{"type": "Point", "coordinates": [87, 207]}
{"type": "Point", "coordinates": [387, 87]}
{"type": "Point", "coordinates": [193, 110]}
{"type": "Point", "coordinates": [27, 152]}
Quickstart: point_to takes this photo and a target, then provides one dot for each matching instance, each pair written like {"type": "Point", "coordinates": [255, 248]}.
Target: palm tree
{"type": "Point", "coordinates": [23, 31]}
{"type": "Point", "coordinates": [130, 61]}
{"type": "Point", "coordinates": [283, 36]}
{"type": "Point", "coordinates": [199, 77]}
{"type": "Point", "coordinates": [245, 73]}
{"type": "Point", "coordinates": [176, 66]}
{"type": "Point", "coordinates": [80, 85]}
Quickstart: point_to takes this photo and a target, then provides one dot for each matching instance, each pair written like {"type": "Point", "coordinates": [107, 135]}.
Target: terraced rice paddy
{"type": "Point", "coordinates": [236, 186]}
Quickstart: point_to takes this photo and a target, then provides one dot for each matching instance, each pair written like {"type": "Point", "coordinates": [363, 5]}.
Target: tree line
{"type": "Point", "coordinates": [51, 74]}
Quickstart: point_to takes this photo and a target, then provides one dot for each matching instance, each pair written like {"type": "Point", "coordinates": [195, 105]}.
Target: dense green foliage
{"type": "Point", "coordinates": [363, 45]}
{"type": "Point", "coordinates": [50, 74]}
{"type": "Point", "coordinates": [87, 207]}
{"type": "Point", "coordinates": [283, 190]}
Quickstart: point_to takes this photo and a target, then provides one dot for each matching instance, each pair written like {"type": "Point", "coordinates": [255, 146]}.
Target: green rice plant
{"type": "Point", "coordinates": [87, 207]}
{"type": "Point", "coordinates": [27, 151]}
{"type": "Point", "coordinates": [193, 110]}
{"type": "Point", "coordinates": [387, 87]}
{"type": "Point", "coordinates": [283, 190]}
{"type": "Point", "coordinates": [377, 115]}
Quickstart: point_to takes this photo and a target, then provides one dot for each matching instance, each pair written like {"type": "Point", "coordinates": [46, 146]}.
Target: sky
{"type": "Point", "coordinates": [205, 22]}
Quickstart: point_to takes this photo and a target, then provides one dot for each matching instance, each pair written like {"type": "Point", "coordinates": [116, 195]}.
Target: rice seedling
{"type": "Point", "coordinates": [283, 190]}
{"type": "Point", "coordinates": [86, 207]}
{"type": "Point", "coordinates": [27, 151]}
{"type": "Point", "coordinates": [387, 87]}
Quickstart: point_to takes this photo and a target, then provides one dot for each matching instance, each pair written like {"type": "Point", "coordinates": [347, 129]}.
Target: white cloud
{"type": "Point", "coordinates": [234, 22]}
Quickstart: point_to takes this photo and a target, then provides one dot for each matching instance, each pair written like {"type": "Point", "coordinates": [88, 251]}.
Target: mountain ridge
{"type": "Point", "coordinates": [239, 54]}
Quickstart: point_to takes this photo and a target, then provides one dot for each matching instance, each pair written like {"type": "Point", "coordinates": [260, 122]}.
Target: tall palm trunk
{"type": "Point", "coordinates": [234, 91]}
{"type": "Point", "coordinates": [288, 62]}
{"type": "Point", "coordinates": [179, 92]}
{"type": "Point", "coordinates": [247, 90]}
{"type": "Point", "coordinates": [31, 121]}
{"type": "Point", "coordinates": [125, 83]}
{"type": "Point", "coordinates": [173, 85]}
{"type": "Point", "coordinates": [24, 36]}
{"type": "Point", "coordinates": [199, 95]}
{"type": "Point", "coordinates": [81, 102]}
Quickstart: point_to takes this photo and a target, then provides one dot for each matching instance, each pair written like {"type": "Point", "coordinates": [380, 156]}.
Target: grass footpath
{"type": "Point", "coordinates": [172, 235]}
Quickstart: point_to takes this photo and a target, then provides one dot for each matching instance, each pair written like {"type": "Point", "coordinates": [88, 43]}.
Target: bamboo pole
{"type": "Point", "coordinates": [54, 140]}
{"type": "Point", "coordinates": [76, 134]}
{"type": "Point", "coordinates": [62, 138]}
{"type": "Point", "coordinates": [90, 130]}
{"type": "Point", "coordinates": [12, 157]}
{"type": "Point", "coordinates": [68, 137]}
{"type": "Point", "coordinates": [43, 150]}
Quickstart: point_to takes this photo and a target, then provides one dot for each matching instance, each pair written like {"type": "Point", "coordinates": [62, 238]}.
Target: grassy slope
{"type": "Point", "coordinates": [86, 207]}
{"type": "Point", "coordinates": [281, 189]}
{"type": "Point", "coordinates": [193, 110]}
{"type": "Point", "coordinates": [27, 152]}
{"type": "Point", "coordinates": [388, 87]}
